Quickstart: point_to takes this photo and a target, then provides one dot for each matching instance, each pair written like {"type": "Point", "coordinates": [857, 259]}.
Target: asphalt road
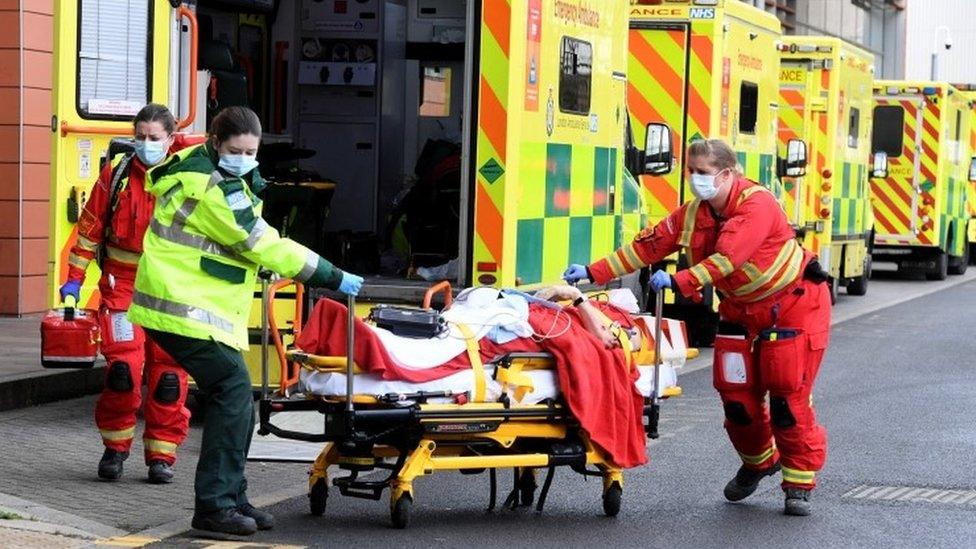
{"type": "Point", "coordinates": [897, 393]}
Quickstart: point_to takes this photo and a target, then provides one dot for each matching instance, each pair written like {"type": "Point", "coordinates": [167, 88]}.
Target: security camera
{"type": "Point", "coordinates": [948, 45]}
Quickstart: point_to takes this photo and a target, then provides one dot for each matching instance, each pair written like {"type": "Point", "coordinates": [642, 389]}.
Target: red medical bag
{"type": "Point", "coordinates": [69, 338]}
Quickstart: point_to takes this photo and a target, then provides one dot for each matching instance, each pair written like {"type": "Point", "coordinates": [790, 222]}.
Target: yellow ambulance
{"type": "Point", "coordinates": [969, 92]}
{"type": "Point", "coordinates": [825, 100]}
{"type": "Point", "coordinates": [508, 115]}
{"type": "Point", "coordinates": [920, 175]}
{"type": "Point", "coordinates": [703, 69]}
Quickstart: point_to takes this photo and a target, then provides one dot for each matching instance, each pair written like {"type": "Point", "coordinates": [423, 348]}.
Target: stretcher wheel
{"type": "Point", "coordinates": [317, 497]}
{"type": "Point", "coordinates": [611, 500]}
{"type": "Point", "coordinates": [400, 512]}
{"type": "Point", "coordinates": [527, 488]}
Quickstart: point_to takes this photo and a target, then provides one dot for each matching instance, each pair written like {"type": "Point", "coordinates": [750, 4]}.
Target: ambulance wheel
{"type": "Point", "coordinates": [859, 285]}
{"type": "Point", "coordinates": [400, 512]}
{"type": "Point", "coordinates": [317, 497]}
{"type": "Point", "coordinates": [958, 265]}
{"type": "Point", "coordinates": [611, 500]}
{"type": "Point", "coordinates": [941, 269]}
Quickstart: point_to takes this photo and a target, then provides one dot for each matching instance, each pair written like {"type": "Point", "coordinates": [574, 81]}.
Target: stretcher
{"type": "Point", "coordinates": [507, 416]}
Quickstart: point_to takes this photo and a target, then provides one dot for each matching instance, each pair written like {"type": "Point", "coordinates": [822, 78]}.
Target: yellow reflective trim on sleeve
{"type": "Point", "coordinates": [87, 243]}
{"type": "Point", "coordinates": [787, 278]}
{"type": "Point", "coordinates": [749, 191]}
{"type": "Point", "coordinates": [722, 263]}
{"type": "Point", "coordinates": [632, 257]}
{"type": "Point", "coordinates": [797, 476]}
{"type": "Point", "coordinates": [123, 256]}
{"type": "Point", "coordinates": [759, 458]}
{"type": "Point", "coordinates": [688, 226]}
{"type": "Point", "coordinates": [616, 265]}
{"type": "Point", "coordinates": [115, 436]}
{"type": "Point", "coordinates": [751, 271]}
{"type": "Point", "coordinates": [160, 446]}
{"type": "Point", "coordinates": [701, 273]}
{"type": "Point", "coordinates": [474, 355]}
{"type": "Point", "coordinates": [78, 261]}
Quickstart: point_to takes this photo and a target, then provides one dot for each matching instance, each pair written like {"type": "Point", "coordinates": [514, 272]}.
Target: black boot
{"type": "Point", "coordinates": [225, 521]}
{"type": "Point", "coordinates": [110, 466]}
{"type": "Point", "coordinates": [746, 481]}
{"type": "Point", "coordinates": [160, 472]}
{"type": "Point", "coordinates": [263, 519]}
{"type": "Point", "coordinates": [797, 502]}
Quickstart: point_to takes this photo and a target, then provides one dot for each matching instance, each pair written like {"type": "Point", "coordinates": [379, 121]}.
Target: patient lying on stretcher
{"type": "Point", "coordinates": [593, 342]}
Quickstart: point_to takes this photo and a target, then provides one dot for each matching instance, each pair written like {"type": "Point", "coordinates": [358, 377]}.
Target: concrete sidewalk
{"type": "Point", "coordinates": [23, 382]}
{"type": "Point", "coordinates": [48, 473]}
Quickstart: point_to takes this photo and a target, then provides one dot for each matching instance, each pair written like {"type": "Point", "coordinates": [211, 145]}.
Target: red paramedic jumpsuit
{"type": "Point", "coordinates": [124, 345]}
{"type": "Point", "coordinates": [750, 255]}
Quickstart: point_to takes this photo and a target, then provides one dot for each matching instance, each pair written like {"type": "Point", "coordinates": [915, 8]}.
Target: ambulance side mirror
{"type": "Point", "coordinates": [658, 150]}
{"type": "Point", "coordinates": [795, 163]}
{"type": "Point", "coordinates": [879, 170]}
{"type": "Point", "coordinates": [972, 170]}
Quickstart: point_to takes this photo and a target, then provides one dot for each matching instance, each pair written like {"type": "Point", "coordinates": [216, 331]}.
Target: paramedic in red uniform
{"type": "Point", "coordinates": [126, 350]}
{"type": "Point", "coordinates": [775, 316]}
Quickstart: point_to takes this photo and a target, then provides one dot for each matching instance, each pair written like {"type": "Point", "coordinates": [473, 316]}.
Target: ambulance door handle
{"type": "Point", "coordinates": [613, 199]}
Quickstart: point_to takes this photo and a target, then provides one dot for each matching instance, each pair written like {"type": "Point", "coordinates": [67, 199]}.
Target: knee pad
{"type": "Point", "coordinates": [780, 412]}
{"type": "Point", "coordinates": [119, 377]}
{"type": "Point", "coordinates": [737, 414]}
{"type": "Point", "coordinates": [168, 389]}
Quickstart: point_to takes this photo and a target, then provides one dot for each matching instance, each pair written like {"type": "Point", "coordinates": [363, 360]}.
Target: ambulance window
{"type": "Point", "coordinates": [748, 107]}
{"type": "Point", "coordinates": [435, 92]}
{"type": "Point", "coordinates": [575, 76]}
{"type": "Point", "coordinates": [114, 56]}
{"type": "Point", "coordinates": [853, 128]}
{"type": "Point", "coordinates": [888, 130]}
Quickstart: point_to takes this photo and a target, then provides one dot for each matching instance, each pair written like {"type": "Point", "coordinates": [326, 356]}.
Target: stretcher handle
{"type": "Point", "coordinates": [658, 313]}
{"type": "Point", "coordinates": [265, 277]}
{"type": "Point", "coordinates": [69, 308]}
{"type": "Point", "coordinates": [289, 370]}
{"type": "Point", "coordinates": [442, 286]}
{"type": "Point", "coordinates": [350, 345]}
{"type": "Point", "coordinates": [191, 19]}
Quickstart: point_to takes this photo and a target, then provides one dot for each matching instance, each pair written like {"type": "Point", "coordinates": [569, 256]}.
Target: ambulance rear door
{"type": "Point", "coordinates": [897, 132]}
{"type": "Point", "coordinates": [111, 57]}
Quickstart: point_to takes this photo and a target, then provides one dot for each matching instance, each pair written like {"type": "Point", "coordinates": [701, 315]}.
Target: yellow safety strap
{"type": "Point", "coordinates": [621, 336]}
{"type": "Point", "coordinates": [474, 355]}
{"type": "Point", "coordinates": [514, 376]}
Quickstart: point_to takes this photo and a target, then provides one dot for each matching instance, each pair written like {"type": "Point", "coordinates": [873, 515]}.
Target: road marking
{"type": "Point", "coordinates": [912, 494]}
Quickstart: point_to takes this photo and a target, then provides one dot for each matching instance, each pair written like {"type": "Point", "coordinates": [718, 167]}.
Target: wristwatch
{"type": "Point", "coordinates": [579, 300]}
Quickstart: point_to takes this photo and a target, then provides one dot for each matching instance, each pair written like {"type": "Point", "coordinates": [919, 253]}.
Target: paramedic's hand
{"type": "Point", "coordinates": [71, 288]}
{"type": "Point", "coordinates": [575, 273]}
{"type": "Point", "coordinates": [660, 280]}
{"type": "Point", "coordinates": [351, 284]}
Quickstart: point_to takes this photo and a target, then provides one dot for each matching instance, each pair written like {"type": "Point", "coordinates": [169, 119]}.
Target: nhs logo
{"type": "Point", "coordinates": [702, 13]}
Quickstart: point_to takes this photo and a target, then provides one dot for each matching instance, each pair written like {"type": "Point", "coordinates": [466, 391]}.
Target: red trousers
{"type": "Point", "coordinates": [779, 356]}
{"type": "Point", "coordinates": [126, 352]}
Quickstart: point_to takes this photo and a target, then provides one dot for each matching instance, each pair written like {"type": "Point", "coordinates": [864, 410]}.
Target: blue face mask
{"type": "Point", "coordinates": [237, 164]}
{"type": "Point", "coordinates": [150, 152]}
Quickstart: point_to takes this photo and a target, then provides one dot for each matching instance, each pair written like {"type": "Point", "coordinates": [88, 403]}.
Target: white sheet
{"type": "Point", "coordinates": [545, 382]}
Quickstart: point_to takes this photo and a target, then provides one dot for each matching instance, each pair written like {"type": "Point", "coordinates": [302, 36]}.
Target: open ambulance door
{"type": "Point", "coordinates": [111, 57]}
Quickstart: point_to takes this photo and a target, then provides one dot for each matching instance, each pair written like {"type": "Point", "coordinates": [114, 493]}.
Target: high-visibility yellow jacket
{"type": "Point", "coordinates": [201, 253]}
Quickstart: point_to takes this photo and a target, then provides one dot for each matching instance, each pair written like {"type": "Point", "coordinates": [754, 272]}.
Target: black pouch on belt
{"type": "Point", "coordinates": [815, 273]}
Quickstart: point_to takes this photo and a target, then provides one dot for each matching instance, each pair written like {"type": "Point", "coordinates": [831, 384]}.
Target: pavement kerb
{"type": "Point", "coordinates": [45, 517]}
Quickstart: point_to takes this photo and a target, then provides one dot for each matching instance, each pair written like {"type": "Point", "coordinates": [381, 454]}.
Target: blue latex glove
{"type": "Point", "coordinates": [72, 288]}
{"type": "Point", "coordinates": [351, 284]}
{"type": "Point", "coordinates": [575, 273]}
{"type": "Point", "coordinates": [660, 280]}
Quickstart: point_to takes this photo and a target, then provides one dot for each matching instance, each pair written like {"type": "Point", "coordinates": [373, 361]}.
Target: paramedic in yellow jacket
{"type": "Point", "coordinates": [193, 294]}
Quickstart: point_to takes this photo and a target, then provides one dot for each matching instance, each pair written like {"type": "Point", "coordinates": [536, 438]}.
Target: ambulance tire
{"type": "Point", "coordinates": [941, 269]}
{"type": "Point", "coordinates": [318, 496]}
{"type": "Point", "coordinates": [611, 500]}
{"type": "Point", "coordinates": [859, 285]}
{"type": "Point", "coordinates": [958, 265]}
{"type": "Point", "coordinates": [400, 512]}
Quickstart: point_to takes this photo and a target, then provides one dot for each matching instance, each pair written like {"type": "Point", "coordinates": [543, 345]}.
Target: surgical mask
{"type": "Point", "coordinates": [703, 185]}
{"type": "Point", "coordinates": [237, 164]}
{"type": "Point", "coordinates": [150, 152]}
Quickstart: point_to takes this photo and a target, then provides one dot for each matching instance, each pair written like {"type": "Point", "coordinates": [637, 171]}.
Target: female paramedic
{"type": "Point", "coordinates": [110, 230]}
{"type": "Point", "coordinates": [193, 295]}
{"type": "Point", "coordinates": [775, 310]}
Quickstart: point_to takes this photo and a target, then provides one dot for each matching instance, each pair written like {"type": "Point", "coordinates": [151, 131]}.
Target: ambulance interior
{"type": "Point", "coordinates": [363, 105]}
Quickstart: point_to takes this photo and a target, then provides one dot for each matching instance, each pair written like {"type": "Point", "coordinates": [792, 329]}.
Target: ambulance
{"type": "Point", "coordinates": [703, 69]}
{"type": "Point", "coordinates": [920, 175]}
{"type": "Point", "coordinates": [969, 91]}
{"type": "Point", "coordinates": [825, 100]}
{"type": "Point", "coordinates": [480, 142]}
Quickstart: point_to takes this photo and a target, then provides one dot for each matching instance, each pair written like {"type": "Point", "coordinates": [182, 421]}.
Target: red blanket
{"type": "Point", "coordinates": [596, 383]}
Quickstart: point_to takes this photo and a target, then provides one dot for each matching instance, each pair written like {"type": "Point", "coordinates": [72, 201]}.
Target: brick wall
{"type": "Point", "coordinates": [26, 67]}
